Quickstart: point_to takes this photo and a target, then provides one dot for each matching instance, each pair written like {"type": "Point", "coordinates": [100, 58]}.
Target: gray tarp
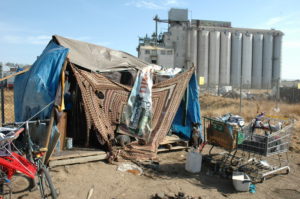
{"type": "Point", "coordinates": [98, 58]}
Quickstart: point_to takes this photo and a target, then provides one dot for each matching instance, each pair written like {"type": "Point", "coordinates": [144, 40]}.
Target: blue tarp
{"type": "Point", "coordinates": [192, 113]}
{"type": "Point", "coordinates": [36, 88]}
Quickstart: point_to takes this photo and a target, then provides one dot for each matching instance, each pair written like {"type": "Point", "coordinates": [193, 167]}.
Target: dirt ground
{"type": "Point", "coordinates": [75, 181]}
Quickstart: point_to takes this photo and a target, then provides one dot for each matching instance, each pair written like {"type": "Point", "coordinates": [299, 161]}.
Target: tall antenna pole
{"type": "Point", "coordinates": [241, 94]}
{"type": "Point", "coordinates": [241, 80]}
{"type": "Point", "coordinates": [2, 95]}
{"type": "Point", "coordinates": [156, 21]}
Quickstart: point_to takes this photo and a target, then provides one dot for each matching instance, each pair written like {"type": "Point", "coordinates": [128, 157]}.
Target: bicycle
{"type": "Point", "coordinates": [35, 154]}
{"type": "Point", "coordinates": [32, 166]}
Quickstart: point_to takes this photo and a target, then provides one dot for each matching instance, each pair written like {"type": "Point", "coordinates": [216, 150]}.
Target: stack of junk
{"type": "Point", "coordinates": [251, 151]}
{"type": "Point", "coordinates": [102, 98]}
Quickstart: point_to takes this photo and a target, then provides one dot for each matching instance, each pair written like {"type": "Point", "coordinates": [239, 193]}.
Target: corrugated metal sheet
{"type": "Point", "coordinates": [236, 56]}
{"type": "Point", "coordinates": [246, 60]}
{"type": "Point", "coordinates": [214, 58]}
{"type": "Point", "coordinates": [224, 78]}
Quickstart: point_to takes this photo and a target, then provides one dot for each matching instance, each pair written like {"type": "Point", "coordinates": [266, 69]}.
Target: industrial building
{"type": "Point", "coordinates": [157, 55]}
{"type": "Point", "coordinates": [223, 55]}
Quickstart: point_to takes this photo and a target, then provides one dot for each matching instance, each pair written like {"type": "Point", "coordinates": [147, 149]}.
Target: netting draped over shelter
{"type": "Point", "coordinates": [104, 102]}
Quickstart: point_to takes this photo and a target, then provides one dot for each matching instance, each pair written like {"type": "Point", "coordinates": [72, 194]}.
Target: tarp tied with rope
{"type": "Point", "coordinates": [105, 113]}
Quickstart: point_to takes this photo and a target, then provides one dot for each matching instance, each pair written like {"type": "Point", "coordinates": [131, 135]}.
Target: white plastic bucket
{"type": "Point", "coordinates": [193, 162]}
{"type": "Point", "coordinates": [241, 181]}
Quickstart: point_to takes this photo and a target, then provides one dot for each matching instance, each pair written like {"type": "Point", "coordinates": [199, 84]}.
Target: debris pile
{"type": "Point", "coordinates": [130, 168]}
{"type": "Point", "coordinates": [180, 195]}
{"type": "Point", "coordinates": [232, 119]}
{"type": "Point", "coordinates": [266, 137]}
{"type": "Point", "coordinates": [235, 93]}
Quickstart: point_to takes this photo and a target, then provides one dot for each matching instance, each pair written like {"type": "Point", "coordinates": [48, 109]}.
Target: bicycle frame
{"type": "Point", "coordinates": [14, 162]}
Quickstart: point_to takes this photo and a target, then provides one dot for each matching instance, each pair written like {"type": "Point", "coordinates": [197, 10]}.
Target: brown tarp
{"type": "Point", "coordinates": [98, 58]}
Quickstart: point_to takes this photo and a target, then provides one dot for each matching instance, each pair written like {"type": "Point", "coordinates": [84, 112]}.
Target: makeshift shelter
{"type": "Point", "coordinates": [92, 84]}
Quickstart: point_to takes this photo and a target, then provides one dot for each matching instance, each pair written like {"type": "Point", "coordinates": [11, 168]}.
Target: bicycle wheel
{"type": "Point", "coordinates": [46, 186]}
{"type": "Point", "coordinates": [20, 183]}
{"type": "Point", "coordinates": [5, 191]}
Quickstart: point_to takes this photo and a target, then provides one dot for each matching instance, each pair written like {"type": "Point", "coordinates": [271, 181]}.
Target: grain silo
{"type": "Point", "coordinates": [178, 41]}
{"type": "Point", "coordinates": [225, 51]}
{"type": "Point", "coordinates": [267, 61]}
{"type": "Point", "coordinates": [222, 54]}
{"type": "Point", "coordinates": [277, 43]}
{"type": "Point", "coordinates": [203, 46]}
{"type": "Point", "coordinates": [214, 58]}
{"type": "Point", "coordinates": [246, 60]}
{"type": "Point", "coordinates": [236, 59]}
{"type": "Point", "coordinates": [257, 55]}
{"type": "Point", "coordinates": [194, 47]}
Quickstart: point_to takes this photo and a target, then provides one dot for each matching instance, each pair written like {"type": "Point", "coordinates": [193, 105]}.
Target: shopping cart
{"type": "Point", "coordinates": [224, 135]}
{"type": "Point", "coordinates": [266, 149]}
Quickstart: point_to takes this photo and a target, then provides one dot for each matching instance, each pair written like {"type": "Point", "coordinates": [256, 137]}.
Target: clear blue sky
{"type": "Point", "coordinates": [27, 25]}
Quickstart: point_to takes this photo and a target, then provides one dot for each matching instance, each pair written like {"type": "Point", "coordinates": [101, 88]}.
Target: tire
{"type": "Point", "coordinates": [5, 191]}
{"type": "Point", "coordinates": [46, 186]}
{"type": "Point", "coordinates": [20, 183]}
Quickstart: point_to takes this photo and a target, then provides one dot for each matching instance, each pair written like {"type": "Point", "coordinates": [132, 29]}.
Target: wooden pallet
{"type": "Point", "coordinates": [83, 155]}
{"type": "Point", "coordinates": [172, 143]}
{"type": "Point", "coordinates": [76, 156]}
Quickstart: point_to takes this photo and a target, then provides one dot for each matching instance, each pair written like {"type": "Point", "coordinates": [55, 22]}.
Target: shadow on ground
{"type": "Point", "coordinates": [205, 179]}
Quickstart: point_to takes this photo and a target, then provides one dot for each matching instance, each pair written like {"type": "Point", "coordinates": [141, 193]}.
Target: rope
{"type": "Point", "coordinates": [35, 114]}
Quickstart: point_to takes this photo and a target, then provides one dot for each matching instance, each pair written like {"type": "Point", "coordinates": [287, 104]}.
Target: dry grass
{"type": "Point", "coordinates": [217, 106]}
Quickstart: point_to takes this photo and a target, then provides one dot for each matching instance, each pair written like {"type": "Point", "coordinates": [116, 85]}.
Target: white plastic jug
{"type": "Point", "coordinates": [193, 162]}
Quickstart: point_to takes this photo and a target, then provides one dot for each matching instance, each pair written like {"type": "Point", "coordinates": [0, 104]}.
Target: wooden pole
{"type": "Point", "coordinates": [17, 73]}
{"type": "Point", "coordinates": [61, 107]}
{"type": "Point", "coordinates": [49, 131]}
{"type": "Point", "coordinates": [2, 95]}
